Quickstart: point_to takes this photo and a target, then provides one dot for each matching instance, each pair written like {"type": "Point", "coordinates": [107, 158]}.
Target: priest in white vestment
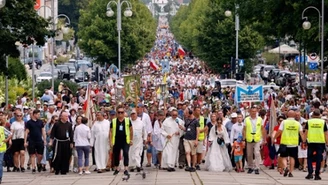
{"type": "Point", "coordinates": [99, 140]}
{"type": "Point", "coordinates": [139, 139]}
{"type": "Point", "coordinates": [171, 132]}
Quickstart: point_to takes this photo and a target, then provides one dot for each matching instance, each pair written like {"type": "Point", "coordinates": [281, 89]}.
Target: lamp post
{"type": "Point", "coordinates": [307, 25]}
{"type": "Point", "coordinates": [52, 39]}
{"type": "Point", "coordinates": [3, 4]}
{"type": "Point", "coordinates": [228, 13]}
{"type": "Point", "coordinates": [127, 13]}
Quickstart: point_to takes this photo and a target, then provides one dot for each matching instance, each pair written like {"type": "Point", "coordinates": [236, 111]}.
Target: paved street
{"type": "Point", "coordinates": [160, 177]}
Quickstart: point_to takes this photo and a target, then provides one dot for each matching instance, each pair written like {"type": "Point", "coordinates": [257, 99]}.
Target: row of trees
{"type": "Point", "coordinates": [98, 33]}
{"type": "Point", "coordinates": [203, 28]}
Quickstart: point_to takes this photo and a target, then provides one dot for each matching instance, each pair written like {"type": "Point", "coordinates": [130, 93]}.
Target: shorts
{"type": "Point", "coordinates": [35, 148]}
{"type": "Point", "coordinates": [18, 145]}
{"type": "Point", "coordinates": [238, 158]}
{"type": "Point", "coordinates": [200, 147]}
{"type": "Point", "coordinates": [190, 147]}
{"type": "Point", "coordinates": [288, 151]}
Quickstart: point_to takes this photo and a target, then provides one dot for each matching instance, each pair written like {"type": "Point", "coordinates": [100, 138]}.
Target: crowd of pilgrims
{"type": "Point", "coordinates": [192, 130]}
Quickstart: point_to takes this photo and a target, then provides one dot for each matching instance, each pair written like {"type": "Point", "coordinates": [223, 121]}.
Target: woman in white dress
{"type": "Point", "coordinates": [217, 158]}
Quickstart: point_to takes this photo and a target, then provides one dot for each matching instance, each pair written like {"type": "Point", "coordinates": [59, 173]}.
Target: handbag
{"type": "Point", "coordinates": [220, 141]}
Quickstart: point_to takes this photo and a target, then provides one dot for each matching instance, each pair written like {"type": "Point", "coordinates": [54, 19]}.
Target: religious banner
{"type": "Point", "coordinates": [132, 87]}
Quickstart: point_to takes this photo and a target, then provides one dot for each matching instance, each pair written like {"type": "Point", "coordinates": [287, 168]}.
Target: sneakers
{"type": "Point", "coordinates": [138, 169]}
{"type": "Point", "coordinates": [187, 169]}
{"type": "Point", "coordinates": [317, 177]}
{"type": "Point", "coordinates": [87, 172]}
{"type": "Point", "coordinates": [80, 173]}
{"type": "Point", "coordinates": [250, 171]}
{"type": "Point", "coordinates": [290, 175]}
{"type": "Point", "coordinates": [192, 169]}
{"type": "Point", "coordinates": [39, 167]}
{"type": "Point", "coordinates": [309, 176]}
{"type": "Point", "coordinates": [22, 169]}
{"type": "Point", "coordinates": [197, 167]}
{"type": "Point", "coordinates": [271, 167]}
{"type": "Point", "coordinates": [257, 172]}
{"type": "Point", "coordinates": [15, 169]}
{"type": "Point", "coordinates": [286, 172]}
{"type": "Point", "coordinates": [75, 170]}
{"type": "Point", "coordinates": [33, 171]}
{"type": "Point", "coordinates": [116, 172]}
{"type": "Point", "coordinates": [126, 172]}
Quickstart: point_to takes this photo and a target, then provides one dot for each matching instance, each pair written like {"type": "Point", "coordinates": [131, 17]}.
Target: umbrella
{"type": "Point", "coordinates": [284, 49]}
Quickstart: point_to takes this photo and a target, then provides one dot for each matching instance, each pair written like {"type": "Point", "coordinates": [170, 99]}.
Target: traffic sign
{"type": "Point", "coordinates": [297, 59]}
{"type": "Point", "coordinates": [251, 93]}
{"type": "Point", "coordinates": [241, 62]}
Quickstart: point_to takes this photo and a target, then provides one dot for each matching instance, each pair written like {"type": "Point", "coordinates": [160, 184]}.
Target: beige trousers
{"type": "Point", "coordinates": [253, 148]}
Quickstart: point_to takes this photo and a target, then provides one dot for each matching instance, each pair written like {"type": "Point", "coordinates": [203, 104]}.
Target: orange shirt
{"type": "Point", "coordinates": [238, 148]}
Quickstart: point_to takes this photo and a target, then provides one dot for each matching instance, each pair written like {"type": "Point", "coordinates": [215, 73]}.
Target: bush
{"type": "Point", "coordinates": [16, 69]}
{"type": "Point", "coordinates": [16, 88]}
{"type": "Point", "coordinates": [47, 84]}
{"type": "Point", "coordinates": [61, 60]}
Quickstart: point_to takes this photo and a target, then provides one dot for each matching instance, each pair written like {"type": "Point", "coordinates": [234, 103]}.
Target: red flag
{"type": "Point", "coordinates": [154, 65]}
{"type": "Point", "coordinates": [181, 51]}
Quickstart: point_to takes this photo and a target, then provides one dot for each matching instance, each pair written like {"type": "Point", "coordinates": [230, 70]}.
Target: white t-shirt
{"type": "Point", "coordinates": [18, 129]}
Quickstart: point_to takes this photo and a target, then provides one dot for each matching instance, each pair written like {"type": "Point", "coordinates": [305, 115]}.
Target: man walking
{"type": "Point", "coordinates": [253, 132]}
{"type": "Point", "coordinates": [317, 135]}
{"type": "Point", "coordinates": [290, 129]}
{"type": "Point", "coordinates": [201, 140]}
{"type": "Point", "coordinates": [191, 138]}
{"type": "Point", "coordinates": [121, 135]}
{"type": "Point", "coordinates": [36, 134]}
{"type": "Point", "coordinates": [99, 140]}
{"type": "Point", "coordinates": [61, 139]}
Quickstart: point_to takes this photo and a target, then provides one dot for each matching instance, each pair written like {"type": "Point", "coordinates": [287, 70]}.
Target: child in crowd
{"type": "Point", "coordinates": [237, 150]}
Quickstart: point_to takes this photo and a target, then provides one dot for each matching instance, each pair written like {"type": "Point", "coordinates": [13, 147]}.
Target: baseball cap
{"type": "Point", "coordinates": [233, 115]}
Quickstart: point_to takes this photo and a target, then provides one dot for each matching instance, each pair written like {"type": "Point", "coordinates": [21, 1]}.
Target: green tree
{"type": "Point", "coordinates": [203, 28]}
{"type": "Point", "coordinates": [98, 33]}
{"type": "Point", "coordinates": [72, 10]}
{"type": "Point", "coordinates": [16, 69]}
{"type": "Point", "coordinates": [20, 23]}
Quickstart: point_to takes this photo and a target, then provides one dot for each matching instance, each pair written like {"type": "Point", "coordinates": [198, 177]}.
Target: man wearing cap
{"type": "Point", "coordinates": [253, 132]}
{"type": "Point", "coordinates": [147, 123]}
{"type": "Point", "coordinates": [317, 135]}
{"type": "Point", "coordinates": [139, 139]}
{"type": "Point", "coordinates": [99, 140]}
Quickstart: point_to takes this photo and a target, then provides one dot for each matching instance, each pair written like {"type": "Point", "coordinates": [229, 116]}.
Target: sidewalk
{"type": "Point", "coordinates": [161, 177]}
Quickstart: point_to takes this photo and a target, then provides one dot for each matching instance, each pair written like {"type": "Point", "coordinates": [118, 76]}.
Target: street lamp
{"type": "Point", "coordinates": [65, 30]}
{"type": "Point", "coordinates": [307, 25]}
{"type": "Point", "coordinates": [127, 13]}
{"type": "Point", "coordinates": [228, 13]}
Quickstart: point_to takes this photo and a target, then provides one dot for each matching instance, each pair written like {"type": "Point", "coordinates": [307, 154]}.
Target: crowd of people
{"type": "Point", "coordinates": [190, 127]}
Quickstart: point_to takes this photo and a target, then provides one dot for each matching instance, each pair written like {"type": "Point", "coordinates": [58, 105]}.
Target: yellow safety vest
{"type": "Point", "coordinates": [315, 131]}
{"type": "Point", "coordinates": [201, 136]}
{"type": "Point", "coordinates": [127, 130]}
{"type": "Point", "coordinates": [3, 145]}
{"type": "Point", "coordinates": [250, 134]}
{"type": "Point", "coordinates": [290, 132]}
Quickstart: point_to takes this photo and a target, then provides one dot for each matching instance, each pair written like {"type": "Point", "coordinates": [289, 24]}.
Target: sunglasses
{"type": "Point", "coordinates": [120, 112]}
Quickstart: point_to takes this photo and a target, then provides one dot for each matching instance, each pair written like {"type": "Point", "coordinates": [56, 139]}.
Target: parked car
{"type": "Point", "coordinates": [82, 77]}
{"type": "Point", "coordinates": [232, 83]}
{"type": "Point", "coordinates": [72, 69]}
{"type": "Point", "coordinates": [44, 76]}
{"type": "Point", "coordinates": [65, 71]}
{"type": "Point", "coordinates": [37, 63]}
{"type": "Point", "coordinates": [81, 63]}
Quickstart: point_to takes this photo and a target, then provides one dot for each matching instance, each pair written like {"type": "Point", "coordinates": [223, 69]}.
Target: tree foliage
{"type": "Point", "coordinates": [20, 22]}
{"type": "Point", "coordinates": [202, 28]}
{"type": "Point", "coordinates": [98, 33]}
{"type": "Point", "coordinates": [72, 10]}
